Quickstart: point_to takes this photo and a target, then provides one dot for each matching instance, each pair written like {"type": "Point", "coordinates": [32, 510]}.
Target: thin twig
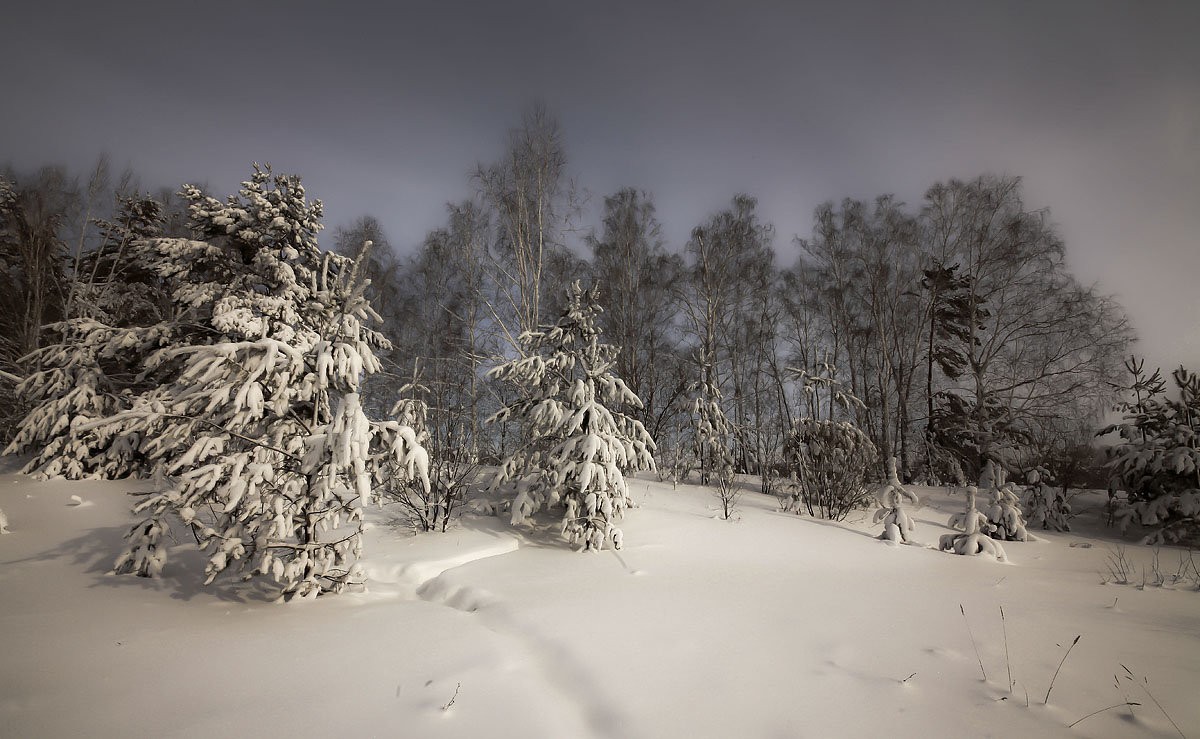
{"type": "Point", "coordinates": [1102, 710]}
{"type": "Point", "coordinates": [1146, 687]}
{"type": "Point", "coordinates": [1121, 690]}
{"type": "Point", "coordinates": [973, 644]}
{"type": "Point", "coordinates": [453, 697]}
{"type": "Point", "coordinates": [1007, 662]}
{"type": "Point", "coordinates": [1060, 664]}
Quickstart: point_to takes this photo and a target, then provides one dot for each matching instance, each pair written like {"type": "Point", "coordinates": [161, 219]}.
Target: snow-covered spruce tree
{"type": "Point", "coordinates": [1158, 463]}
{"type": "Point", "coordinates": [255, 429]}
{"type": "Point", "coordinates": [265, 451]}
{"type": "Point", "coordinates": [1004, 508]}
{"type": "Point", "coordinates": [576, 448]}
{"type": "Point", "coordinates": [829, 459]}
{"type": "Point", "coordinates": [974, 539]}
{"type": "Point", "coordinates": [971, 517]}
{"type": "Point", "coordinates": [1046, 505]}
{"type": "Point", "coordinates": [897, 524]}
{"type": "Point", "coordinates": [712, 432]}
{"type": "Point", "coordinates": [91, 362]}
{"type": "Point", "coordinates": [712, 435]}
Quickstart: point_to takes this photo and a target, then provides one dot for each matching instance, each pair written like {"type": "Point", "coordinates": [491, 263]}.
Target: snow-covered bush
{"type": "Point", "coordinates": [1158, 462]}
{"type": "Point", "coordinates": [974, 538]}
{"type": "Point", "coordinates": [429, 504]}
{"type": "Point", "coordinates": [675, 456]}
{"type": "Point", "coordinates": [250, 415]}
{"type": "Point", "coordinates": [892, 496]}
{"type": "Point", "coordinates": [1046, 505]}
{"type": "Point", "coordinates": [1003, 512]}
{"type": "Point", "coordinates": [726, 490]}
{"type": "Point", "coordinates": [576, 448]}
{"type": "Point", "coordinates": [829, 460]}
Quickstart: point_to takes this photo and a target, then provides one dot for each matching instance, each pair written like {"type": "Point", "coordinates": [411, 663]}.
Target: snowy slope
{"type": "Point", "coordinates": [772, 625]}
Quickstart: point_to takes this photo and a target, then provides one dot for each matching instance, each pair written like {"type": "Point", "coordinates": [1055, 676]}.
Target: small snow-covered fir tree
{"type": "Point", "coordinates": [1158, 462]}
{"type": "Point", "coordinates": [577, 449]}
{"type": "Point", "coordinates": [971, 517]}
{"type": "Point", "coordinates": [1046, 505]}
{"type": "Point", "coordinates": [1003, 511]}
{"type": "Point", "coordinates": [711, 430]}
{"type": "Point", "coordinates": [897, 524]}
{"type": "Point", "coordinates": [974, 538]}
{"type": "Point", "coordinates": [265, 451]}
{"type": "Point", "coordinates": [251, 416]}
{"type": "Point", "coordinates": [712, 435]}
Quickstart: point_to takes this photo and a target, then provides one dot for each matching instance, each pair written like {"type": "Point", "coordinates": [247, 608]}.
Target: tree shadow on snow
{"type": "Point", "coordinates": [839, 525]}
{"type": "Point", "coordinates": [95, 551]}
{"type": "Point", "coordinates": [543, 530]}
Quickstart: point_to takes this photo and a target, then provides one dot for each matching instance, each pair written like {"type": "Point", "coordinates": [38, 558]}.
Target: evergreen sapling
{"type": "Point", "coordinates": [1046, 505]}
{"type": "Point", "coordinates": [711, 430]}
{"type": "Point", "coordinates": [250, 415]}
{"type": "Point", "coordinates": [1158, 462]}
{"type": "Point", "coordinates": [577, 448]}
{"type": "Point", "coordinates": [1003, 512]}
{"type": "Point", "coordinates": [973, 539]}
{"type": "Point", "coordinates": [897, 524]}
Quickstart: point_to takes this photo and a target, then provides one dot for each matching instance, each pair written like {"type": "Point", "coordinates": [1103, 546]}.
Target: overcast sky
{"type": "Point", "coordinates": [385, 108]}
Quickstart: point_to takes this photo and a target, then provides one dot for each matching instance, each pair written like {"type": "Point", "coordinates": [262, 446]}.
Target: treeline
{"type": "Point", "coordinates": [956, 320]}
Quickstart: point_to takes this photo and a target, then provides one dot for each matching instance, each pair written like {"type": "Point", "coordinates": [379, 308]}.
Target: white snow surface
{"type": "Point", "coordinates": [772, 625]}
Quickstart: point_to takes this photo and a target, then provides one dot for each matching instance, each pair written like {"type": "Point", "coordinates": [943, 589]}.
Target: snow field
{"type": "Point", "coordinates": [771, 625]}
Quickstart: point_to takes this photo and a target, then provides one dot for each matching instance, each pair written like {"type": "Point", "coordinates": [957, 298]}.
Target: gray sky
{"type": "Point", "coordinates": [384, 108]}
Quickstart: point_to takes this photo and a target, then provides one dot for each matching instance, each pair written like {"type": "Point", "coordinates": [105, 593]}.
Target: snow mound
{"type": "Point", "coordinates": [419, 574]}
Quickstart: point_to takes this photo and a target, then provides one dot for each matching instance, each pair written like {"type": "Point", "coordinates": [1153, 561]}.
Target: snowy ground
{"type": "Point", "coordinates": [769, 626]}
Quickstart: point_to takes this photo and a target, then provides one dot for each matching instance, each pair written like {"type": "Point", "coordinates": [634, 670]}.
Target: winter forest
{"type": "Point", "coordinates": [303, 409]}
{"type": "Point", "coordinates": [165, 332]}
{"type": "Point", "coordinates": [273, 388]}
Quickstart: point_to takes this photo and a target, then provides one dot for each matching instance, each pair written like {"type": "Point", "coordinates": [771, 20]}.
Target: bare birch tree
{"type": "Point", "coordinates": [1046, 340]}
{"type": "Point", "coordinates": [638, 280]}
{"type": "Point", "coordinates": [531, 199]}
